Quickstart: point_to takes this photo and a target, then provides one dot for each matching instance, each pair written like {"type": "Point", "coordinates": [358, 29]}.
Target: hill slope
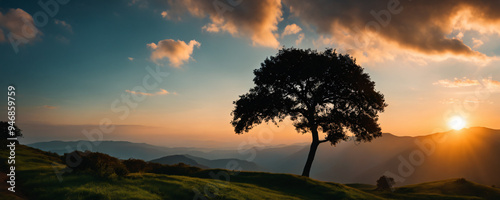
{"type": "Point", "coordinates": [206, 163]}
{"type": "Point", "coordinates": [471, 153]}
{"type": "Point", "coordinates": [37, 179]}
{"type": "Point", "coordinates": [445, 189]}
{"type": "Point", "coordinates": [119, 149]}
{"type": "Point", "coordinates": [176, 159]}
{"type": "Point", "coordinates": [227, 163]}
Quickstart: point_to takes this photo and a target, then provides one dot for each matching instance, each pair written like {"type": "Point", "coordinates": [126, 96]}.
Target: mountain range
{"type": "Point", "coordinates": [470, 153]}
{"type": "Point", "coordinates": [230, 163]}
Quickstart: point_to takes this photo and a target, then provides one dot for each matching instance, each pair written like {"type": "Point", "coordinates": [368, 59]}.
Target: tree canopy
{"type": "Point", "coordinates": [320, 91]}
{"type": "Point", "coordinates": [5, 132]}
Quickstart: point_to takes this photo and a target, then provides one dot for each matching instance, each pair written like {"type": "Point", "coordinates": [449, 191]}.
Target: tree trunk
{"type": "Point", "coordinates": [310, 158]}
{"type": "Point", "coordinates": [312, 151]}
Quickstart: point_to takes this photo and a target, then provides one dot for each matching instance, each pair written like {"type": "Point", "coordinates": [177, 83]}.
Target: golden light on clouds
{"type": "Point", "coordinates": [464, 82]}
{"type": "Point", "coordinates": [373, 31]}
{"type": "Point", "coordinates": [257, 20]}
{"type": "Point", "coordinates": [177, 52]}
{"type": "Point", "coordinates": [488, 83]}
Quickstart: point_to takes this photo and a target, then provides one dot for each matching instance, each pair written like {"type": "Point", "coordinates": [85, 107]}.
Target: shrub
{"type": "Point", "coordinates": [121, 170]}
{"type": "Point", "coordinates": [100, 164]}
{"type": "Point", "coordinates": [135, 165]}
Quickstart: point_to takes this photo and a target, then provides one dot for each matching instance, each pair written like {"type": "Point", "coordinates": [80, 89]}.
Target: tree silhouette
{"type": "Point", "coordinates": [320, 91]}
{"type": "Point", "coordinates": [5, 132]}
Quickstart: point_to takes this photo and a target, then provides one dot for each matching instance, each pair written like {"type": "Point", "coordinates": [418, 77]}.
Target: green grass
{"type": "Point", "coordinates": [37, 180]}
{"type": "Point", "coordinates": [445, 189]}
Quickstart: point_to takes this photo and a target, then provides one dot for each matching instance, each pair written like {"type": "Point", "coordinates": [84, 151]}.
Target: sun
{"type": "Point", "coordinates": [457, 122]}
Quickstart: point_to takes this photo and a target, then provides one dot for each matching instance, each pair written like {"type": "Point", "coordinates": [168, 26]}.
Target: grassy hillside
{"type": "Point", "coordinates": [174, 159]}
{"type": "Point", "coordinates": [36, 179]}
{"type": "Point", "coordinates": [445, 189]}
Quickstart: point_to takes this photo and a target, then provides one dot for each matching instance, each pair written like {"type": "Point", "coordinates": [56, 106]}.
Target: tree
{"type": "Point", "coordinates": [385, 183]}
{"type": "Point", "coordinates": [320, 91]}
{"type": "Point", "coordinates": [5, 132]}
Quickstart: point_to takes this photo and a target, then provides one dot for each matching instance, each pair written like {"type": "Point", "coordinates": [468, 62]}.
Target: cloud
{"type": "Point", "coordinates": [177, 52]}
{"type": "Point", "coordinates": [130, 58]}
{"type": "Point", "coordinates": [213, 28]}
{"type": "Point", "coordinates": [161, 92]}
{"type": "Point", "coordinates": [20, 24]}
{"type": "Point", "coordinates": [291, 29]}
{"type": "Point", "coordinates": [476, 43]}
{"type": "Point", "coordinates": [491, 84]}
{"type": "Point", "coordinates": [299, 38]}
{"type": "Point", "coordinates": [456, 83]}
{"type": "Point", "coordinates": [49, 107]}
{"type": "Point", "coordinates": [256, 19]}
{"type": "Point", "coordinates": [461, 101]}
{"type": "Point", "coordinates": [64, 24]}
{"type": "Point", "coordinates": [422, 26]}
{"type": "Point", "coordinates": [465, 82]}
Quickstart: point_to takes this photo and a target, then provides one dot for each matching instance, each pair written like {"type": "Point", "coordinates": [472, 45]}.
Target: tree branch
{"type": "Point", "coordinates": [321, 141]}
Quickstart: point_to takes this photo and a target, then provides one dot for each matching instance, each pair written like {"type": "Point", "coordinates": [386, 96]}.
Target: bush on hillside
{"type": "Point", "coordinates": [99, 164]}
{"type": "Point", "coordinates": [135, 165]}
{"type": "Point", "coordinates": [104, 165]}
{"type": "Point", "coordinates": [385, 183]}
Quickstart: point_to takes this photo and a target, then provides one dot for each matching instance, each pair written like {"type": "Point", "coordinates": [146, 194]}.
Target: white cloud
{"type": "Point", "coordinates": [291, 29]}
{"type": "Point", "coordinates": [177, 52]}
{"type": "Point", "coordinates": [299, 38]}
{"type": "Point", "coordinates": [476, 43]}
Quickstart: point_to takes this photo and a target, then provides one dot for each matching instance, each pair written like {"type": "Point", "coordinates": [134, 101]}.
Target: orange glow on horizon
{"type": "Point", "coordinates": [457, 122]}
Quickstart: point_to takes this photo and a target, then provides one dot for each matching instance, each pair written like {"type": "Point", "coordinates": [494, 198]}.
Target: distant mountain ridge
{"type": "Point", "coordinates": [176, 159]}
{"type": "Point", "coordinates": [231, 163]}
{"type": "Point", "coordinates": [119, 149]}
{"type": "Point", "coordinates": [471, 153]}
{"type": "Point", "coordinates": [35, 173]}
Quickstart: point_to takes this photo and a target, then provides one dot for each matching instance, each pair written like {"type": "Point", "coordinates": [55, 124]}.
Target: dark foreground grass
{"type": "Point", "coordinates": [446, 189]}
{"type": "Point", "coordinates": [37, 179]}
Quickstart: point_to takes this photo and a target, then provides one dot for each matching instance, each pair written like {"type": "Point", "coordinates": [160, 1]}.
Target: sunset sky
{"type": "Point", "coordinates": [86, 62]}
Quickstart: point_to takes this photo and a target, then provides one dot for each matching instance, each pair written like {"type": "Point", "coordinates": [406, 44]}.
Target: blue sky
{"type": "Point", "coordinates": [90, 53]}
